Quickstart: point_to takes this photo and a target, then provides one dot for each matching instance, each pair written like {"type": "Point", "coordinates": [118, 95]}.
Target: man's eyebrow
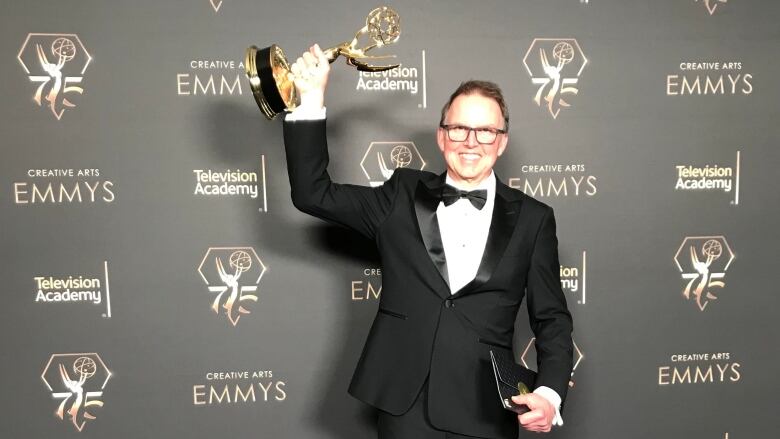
{"type": "Point", "coordinates": [453, 124]}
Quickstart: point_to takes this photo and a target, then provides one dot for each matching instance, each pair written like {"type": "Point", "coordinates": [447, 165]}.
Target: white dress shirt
{"type": "Point", "coordinates": [464, 231]}
{"type": "Point", "coordinates": [305, 113]}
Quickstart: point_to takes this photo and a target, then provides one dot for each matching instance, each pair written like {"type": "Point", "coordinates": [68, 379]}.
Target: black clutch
{"type": "Point", "coordinates": [511, 379]}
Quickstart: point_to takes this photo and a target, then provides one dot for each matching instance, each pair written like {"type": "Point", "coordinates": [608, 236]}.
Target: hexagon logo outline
{"type": "Point", "coordinates": [400, 154]}
{"type": "Point", "coordinates": [86, 365]}
{"type": "Point", "coordinates": [555, 77]}
{"type": "Point", "coordinates": [579, 356]}
{"type": "Point", "coordinates": [703, 275]}
{"type": "Point", "coordinates": [712, 5]}
{"type": "Point", "coordinates": [224, 282]}
{"type": "Point", "coordinates": [64, 48]}
{"type": "Point", "coordinates": [722, 238]}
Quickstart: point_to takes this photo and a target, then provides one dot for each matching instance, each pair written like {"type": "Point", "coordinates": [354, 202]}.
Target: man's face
{"type": "Point", "coordinates": [469, 162]}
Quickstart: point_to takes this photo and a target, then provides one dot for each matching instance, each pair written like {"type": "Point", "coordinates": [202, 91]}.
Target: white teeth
{"type": "Point", "coordinates": [470, 156]}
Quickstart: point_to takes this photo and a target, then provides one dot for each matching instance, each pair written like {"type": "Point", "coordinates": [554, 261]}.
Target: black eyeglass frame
{"type": "Point", "coordinates": [494, 131]}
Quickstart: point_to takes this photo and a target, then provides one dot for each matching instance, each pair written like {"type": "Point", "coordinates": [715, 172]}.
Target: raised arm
{"type": "Point", "coordinates": [357, 207]}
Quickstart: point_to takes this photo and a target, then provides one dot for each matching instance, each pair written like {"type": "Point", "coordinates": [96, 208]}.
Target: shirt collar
{"type": "Point", "coordinates": [488, 183]}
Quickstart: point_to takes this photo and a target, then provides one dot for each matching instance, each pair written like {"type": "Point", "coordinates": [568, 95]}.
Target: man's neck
{"type": "Point", "coordinates": [468, 185]}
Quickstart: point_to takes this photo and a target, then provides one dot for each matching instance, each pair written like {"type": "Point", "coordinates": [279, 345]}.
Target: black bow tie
{"type": "Point", "coordinates": [478, 198]}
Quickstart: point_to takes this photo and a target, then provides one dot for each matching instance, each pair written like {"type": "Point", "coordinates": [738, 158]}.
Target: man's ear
{"type": "Point", "coordinates": [503, 143]}
{"type": "Point", "coordinates": [441, 137]}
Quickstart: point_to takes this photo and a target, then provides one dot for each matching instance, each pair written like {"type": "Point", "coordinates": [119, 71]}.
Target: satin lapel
{"type": "Point", "coordinates": [426, 202]}
{"type": "Point", "coordinates": [502, 224]}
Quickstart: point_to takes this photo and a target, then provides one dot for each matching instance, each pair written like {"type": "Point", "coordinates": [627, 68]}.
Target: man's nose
{"type": "Point", "coordinates": [471, 139]}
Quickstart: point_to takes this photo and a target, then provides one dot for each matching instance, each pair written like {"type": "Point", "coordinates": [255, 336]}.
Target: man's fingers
{"type": "Point", "coordinates": [320, 55]}
{"type": "Point", "coordinates": [311, 61]}
{"type": "Point", "coordinates": [300, 69]}
{"type": "Point", "coordinates": [523, 400]}
{"type": "Point", "coordinates": [531, 417]}
{"type": "Point", "coordinates": [537, 429]}
{"type": "Point", "coordinates": [539, 419]}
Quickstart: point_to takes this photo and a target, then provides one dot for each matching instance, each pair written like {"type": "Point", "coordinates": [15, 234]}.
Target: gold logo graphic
{"type": "Point", "coordinates": [703, 261]}
{"type": "Point", "coordinates": [711, 5]}
{"type": "Point", "coordinates": [383, 158]}
{"type": "Point", "coordinates": [528, 357]}
{"type": "Point", "coordinates": [56, 62]}
{"type": "Point", "coordinates": [222, 268]}
{"type": "Point", "coordinates": [554, 65]}
{"type": "Point", "coordinates": [79, 380]}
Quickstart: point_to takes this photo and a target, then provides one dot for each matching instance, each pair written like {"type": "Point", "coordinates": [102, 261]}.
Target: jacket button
{"type": "Point", "coordinates": [449, 303]}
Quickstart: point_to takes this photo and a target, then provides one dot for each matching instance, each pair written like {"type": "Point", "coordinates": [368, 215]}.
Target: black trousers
{"type": "Point", "coordinates": [414, 424]}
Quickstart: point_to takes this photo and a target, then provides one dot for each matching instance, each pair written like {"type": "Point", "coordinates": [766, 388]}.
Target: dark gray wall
{"type": "Point", "coordinates": [654, 364]}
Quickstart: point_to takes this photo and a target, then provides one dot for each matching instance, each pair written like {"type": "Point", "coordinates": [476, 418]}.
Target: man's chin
{"type": "Point", "coordinates": [470, 177]}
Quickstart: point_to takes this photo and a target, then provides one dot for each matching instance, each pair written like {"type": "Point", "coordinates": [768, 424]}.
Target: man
{"type": "Point", "coordinates": [455, 268]}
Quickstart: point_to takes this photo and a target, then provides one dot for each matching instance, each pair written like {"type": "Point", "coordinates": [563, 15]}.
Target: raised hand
{"type": "Point", "coordinates": [310, 75]}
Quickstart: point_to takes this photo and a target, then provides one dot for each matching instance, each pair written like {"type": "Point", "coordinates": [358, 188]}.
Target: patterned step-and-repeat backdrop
{"type": "Point", "coordinates": [158, 282]}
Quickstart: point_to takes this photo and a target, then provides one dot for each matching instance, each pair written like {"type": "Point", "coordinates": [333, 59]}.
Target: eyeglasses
{"type": "Point", "coordinates": [459, 133]}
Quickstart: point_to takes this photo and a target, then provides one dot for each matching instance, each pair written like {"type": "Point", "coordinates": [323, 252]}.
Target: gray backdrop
{"type": "Point", "coordinates": [99, 196]}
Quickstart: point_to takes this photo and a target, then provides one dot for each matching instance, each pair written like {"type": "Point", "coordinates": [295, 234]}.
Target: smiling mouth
{"type": "Point", "coordinates": [469, 156]}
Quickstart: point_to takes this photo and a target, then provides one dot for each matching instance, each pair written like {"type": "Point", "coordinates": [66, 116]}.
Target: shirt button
{"type": "Point", "coordinates": [449, 303]}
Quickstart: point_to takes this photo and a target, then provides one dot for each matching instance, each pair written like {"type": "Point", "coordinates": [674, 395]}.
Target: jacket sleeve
{"type": "Point", "coordinates": [548, 314]}
{"type": "Point", "coordinates": [360, 208]}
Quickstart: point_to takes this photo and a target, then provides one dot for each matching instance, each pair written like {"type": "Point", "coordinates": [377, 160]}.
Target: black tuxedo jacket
{"type": "Point", "coordinates": [422, 330]}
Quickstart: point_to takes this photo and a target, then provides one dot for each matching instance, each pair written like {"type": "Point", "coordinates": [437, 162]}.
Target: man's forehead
{"type": "Point", "coordinates": [475, 109]}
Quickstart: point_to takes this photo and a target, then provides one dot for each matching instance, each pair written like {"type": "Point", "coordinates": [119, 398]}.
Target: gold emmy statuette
{"type": "Point", "coordinates": [267, 68]}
